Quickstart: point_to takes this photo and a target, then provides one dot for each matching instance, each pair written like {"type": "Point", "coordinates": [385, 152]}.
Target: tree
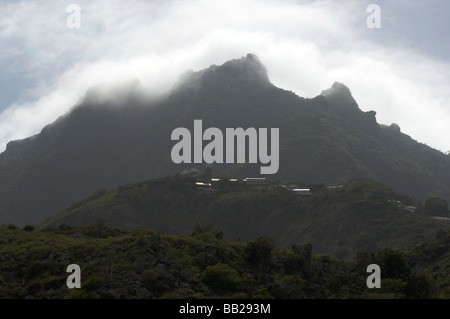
{"type": "Point", "coordinates": [222, 277]}
{"type": "Point", "coordinates": [394, 265]}
{"type": "Point", "coordinates": [201, 229]}
{"type": "Point", "coordinates": [436, 206]}
{"type": "Point", "coordinates": [300, 260]}
{"type": "Point", "coordinates": [258, 253]}
{"type": "Point", "coordinates": [28, 228]}
{"type": "Point", "coordinates": [294, 263]}
{"type": "Point", "coordinates": [419, 286]}
{"type": "Point", "coordinates": [364, 258]}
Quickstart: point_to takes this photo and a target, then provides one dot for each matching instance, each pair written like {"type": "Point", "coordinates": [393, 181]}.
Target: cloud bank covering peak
{"type": "Point", "coordinates": [399, 70]}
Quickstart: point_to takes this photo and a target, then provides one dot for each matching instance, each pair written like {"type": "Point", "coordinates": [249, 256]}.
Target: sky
{"type": "Point", "coordinates": [401, 70]}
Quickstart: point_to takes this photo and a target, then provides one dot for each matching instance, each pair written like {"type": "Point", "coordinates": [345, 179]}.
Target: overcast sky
{"type": "Point", "coordinates": [401, 70]}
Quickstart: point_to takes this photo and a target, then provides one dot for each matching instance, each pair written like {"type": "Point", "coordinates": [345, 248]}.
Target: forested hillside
{"type": "Point", "coordinates": [142, 263]}
{"type": "Point", "coordinates": [361, 214]}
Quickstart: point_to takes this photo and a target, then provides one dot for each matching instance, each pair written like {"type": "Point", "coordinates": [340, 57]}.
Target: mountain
{"type": "Point", "coordinates": [363, 214]}
{"type": "Point", "coordinates": [108, 140]}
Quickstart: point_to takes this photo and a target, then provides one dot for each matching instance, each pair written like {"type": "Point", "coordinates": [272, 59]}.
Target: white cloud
{"type": "Point", "coordinates": [306, 46]}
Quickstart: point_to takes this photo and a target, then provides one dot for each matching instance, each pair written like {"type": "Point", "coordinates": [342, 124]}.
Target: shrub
{"type": "Point", "coordinates": [419, 286]}
{"type": "Point", "coordinates": [395, 265]}
{"type": "Point", "coordinates": [262, 293]}
{"type": "Point", "coordinates": [222, 277]}
{"type": "Point", "coordinates": [93, 284]}
{"type": "Point", "coordinates": [28, 228]}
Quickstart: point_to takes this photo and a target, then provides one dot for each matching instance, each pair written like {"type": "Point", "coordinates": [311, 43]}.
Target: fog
{"type": "Point", "coordinates": [305, 45]}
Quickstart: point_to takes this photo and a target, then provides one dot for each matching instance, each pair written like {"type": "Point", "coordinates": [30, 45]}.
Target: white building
{"type": "Point", "coordinates": [204, 186]}
{"type": "Point", "coordinates": [302, 192]}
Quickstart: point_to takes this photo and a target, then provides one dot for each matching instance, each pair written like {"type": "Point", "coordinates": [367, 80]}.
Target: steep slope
{"type": "Point", "coordinates": [104, 143]}
{"type": "Point", "coordinates": [361, 215]}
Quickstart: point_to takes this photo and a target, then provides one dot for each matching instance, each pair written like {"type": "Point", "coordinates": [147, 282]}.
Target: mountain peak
{"type": "Point", "coordinates": [247, 69]}
{"type": "Point", "coordinates": [337, 89]}
{"type": "Point", "coordinates": [339, 95]}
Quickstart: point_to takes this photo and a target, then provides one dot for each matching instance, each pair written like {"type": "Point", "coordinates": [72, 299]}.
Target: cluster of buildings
{"type": "Point", "coordinates": [254, 183]}
{"type": "Point", "coordinates": [259, 183]}
{"type": "Point", "coordinates": [209, 183]}
{"type": "Point", "coordinates": [413, 209]}
{"type": "Point", "coordinates": [409, 209]}
{"type": "Point", "coordinates": [445, 219]}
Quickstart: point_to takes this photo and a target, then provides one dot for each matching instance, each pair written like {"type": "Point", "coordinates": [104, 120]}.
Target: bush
{"type": "Point", "coordinates": [419, 286]}
{"type": "Point", "coordinates": [395, 265]}
{"type": "Point", "coordinates": [93, 284]}
{"type": "Point", "coordinates": [157, 283]}
{"type": "Point", "coordinates": [262, 293]}
{"type": "Point", "coordinates": [393, 286]}
{"type": "Point", "coordinates": [28, 228]}
{"type": "Point", "coordinates": [222, 277]}
{"type": "Point", "coordinates": [149, 278]}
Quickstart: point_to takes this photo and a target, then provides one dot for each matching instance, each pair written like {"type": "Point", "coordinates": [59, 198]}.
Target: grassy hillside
{"type": "Point", "coordinates": [361, 215]}
{"type": "Point", "coordinates": [146, 264]}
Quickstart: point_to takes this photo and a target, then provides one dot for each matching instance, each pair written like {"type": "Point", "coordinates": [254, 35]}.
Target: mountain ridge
{"type": "Point", "coordinates": [325, 139]}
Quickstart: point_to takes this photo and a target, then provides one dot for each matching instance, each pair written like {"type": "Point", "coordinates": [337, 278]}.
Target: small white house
{"type": "Point", "coordinates": [410, 209]}
{"type": "Point", "coordinates": [302, 192]}
{"type": "Point", "coordinates": [204, 186]}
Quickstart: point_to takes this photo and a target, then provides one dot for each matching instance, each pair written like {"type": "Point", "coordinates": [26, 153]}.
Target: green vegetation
{"type": "Point", "coordinates": [232, 242]}
{"type": "Point", "coordinates": [142, 263]}
{"type": "Point", "coordinates": [435, 206]}
{"type": "Point", "coordinates": [433, 259]}
{"type": "Point", "coordinates": [363, 214]}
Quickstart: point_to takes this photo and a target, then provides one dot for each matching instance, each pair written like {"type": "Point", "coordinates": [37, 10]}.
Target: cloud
{"type": "Point", "coordinates": [305, 45]}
